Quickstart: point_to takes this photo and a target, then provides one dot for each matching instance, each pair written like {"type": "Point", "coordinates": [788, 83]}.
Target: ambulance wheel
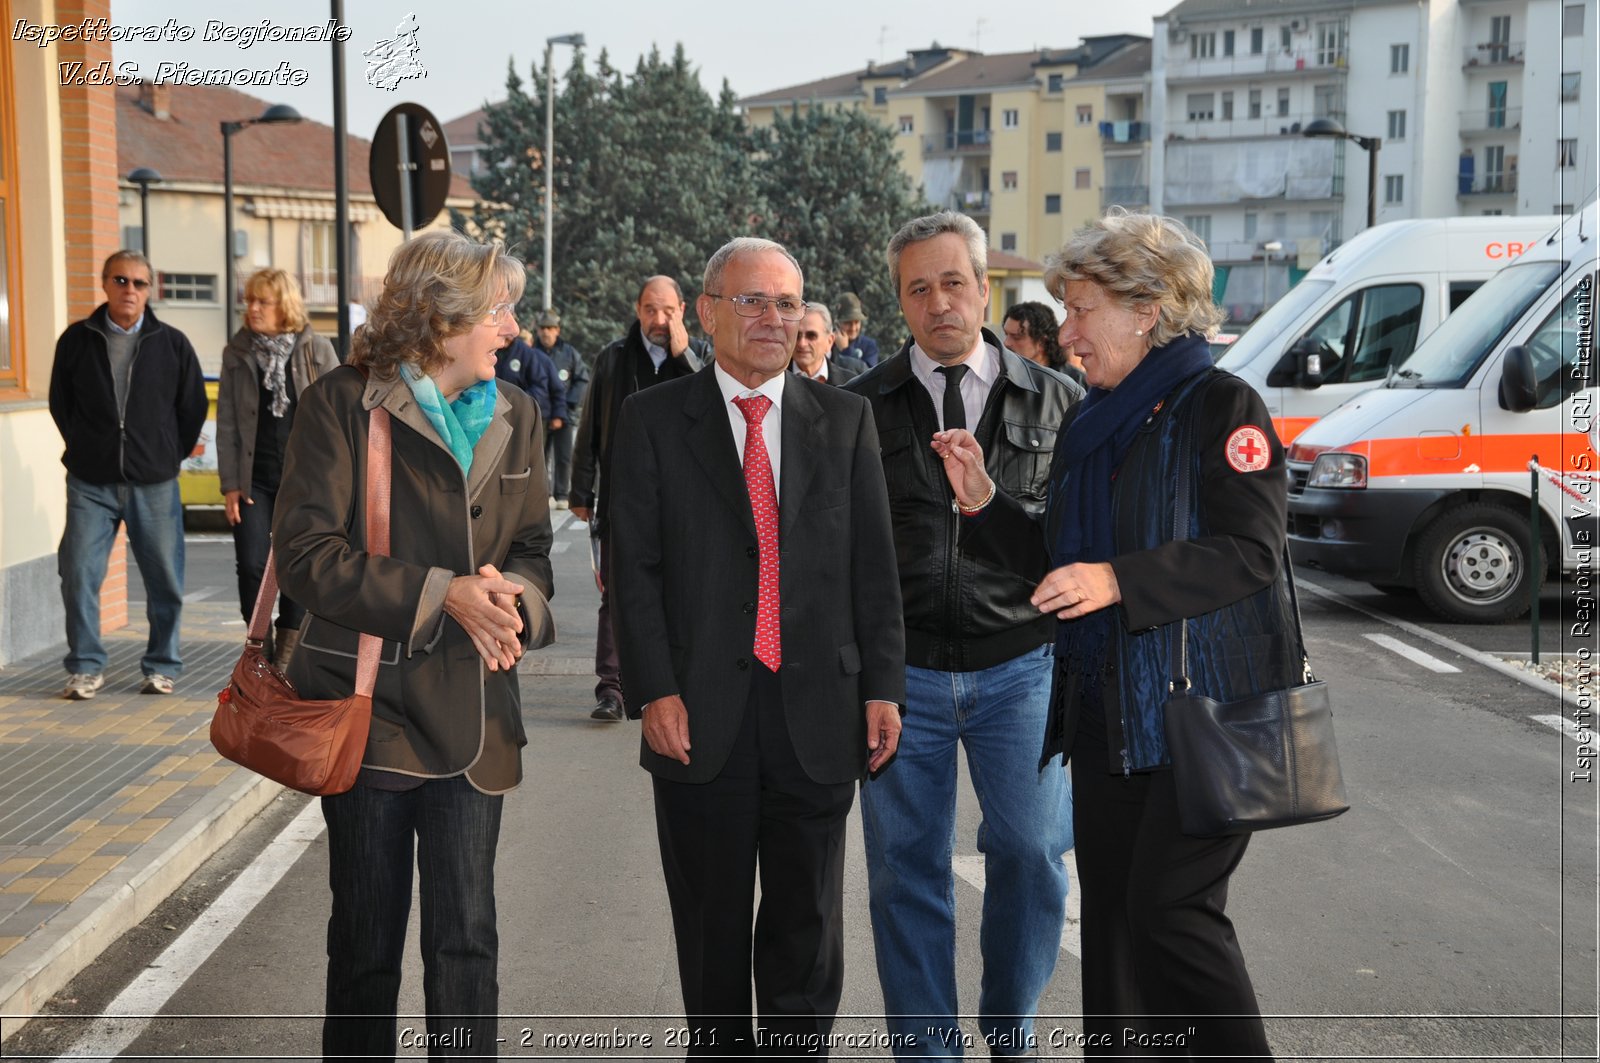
{"type": "Point", "coordinates": [1472, 564]}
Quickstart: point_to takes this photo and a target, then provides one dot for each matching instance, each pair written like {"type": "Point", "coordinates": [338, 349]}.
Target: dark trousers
{"type": "Point", "coordinates": [252, 537]}
{"type": "Point", "coordinates": [558, 457]}
{"type": "Point", "coordinates": [370, 854]}
{"type": "Point", "coordinates": [607, 665]}
{"type": "Point", "coordinates": [1159, 952]}
{"type": "Point", "coordinates": [764, 812]}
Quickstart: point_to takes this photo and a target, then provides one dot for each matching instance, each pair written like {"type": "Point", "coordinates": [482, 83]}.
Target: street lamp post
{"type": "Point", "coordinates": [144, 177]}
{"type": "Point", "coordinates": [278, 112]}
{"type": "Point", "coordinates": [1327, 127]}
{"type": "Point", "coordinates": [576, 40]}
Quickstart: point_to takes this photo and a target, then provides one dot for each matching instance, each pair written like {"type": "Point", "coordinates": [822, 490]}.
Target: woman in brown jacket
{"type": "Point", "coordinates": [459, 597]}
{"type": "Point", "coordinates": [265, 367]}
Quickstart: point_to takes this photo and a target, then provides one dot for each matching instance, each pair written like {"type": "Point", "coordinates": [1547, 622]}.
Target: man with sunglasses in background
{"type": "Point", "coordinates": [813, 350]}
{"type": "Point", "coordinates": [129, 399]}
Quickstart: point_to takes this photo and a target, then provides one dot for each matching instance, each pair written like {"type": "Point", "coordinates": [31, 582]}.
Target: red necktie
{"type": "Point", "coordinates": [764, 505]}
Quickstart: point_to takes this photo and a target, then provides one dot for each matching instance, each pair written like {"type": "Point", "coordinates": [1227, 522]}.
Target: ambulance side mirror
{"type": "Point", "coordinates": [1307, 353]}
{"type": "Point", "coordinates": [1519, 384]}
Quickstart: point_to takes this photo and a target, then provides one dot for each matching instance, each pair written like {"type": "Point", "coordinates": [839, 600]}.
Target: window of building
{"type": "Point", "coordinates": [1497, 104]}
{"type": "Point", "coordinates": [1085, 114]}
{"type": "Point", "coordinates": [1255, 103]}
{"type": "Point", "coordinates": [1325, 100]}
{"type": "Point", "coordinates": [880, 96]}
{"type": "Point", "coordinates": [1572, 20]}
{"type": "Point", "coordinates": [1200, 225]}
{"type": "Point", "coordinates": [1567, 152]}
{"type": "Point", "coordinates": [1256, 40]}
{"type": "Point", "coordinates": [908, 125]}
{"type": "Point", "coordinates": [1252, 221]}
{"type": "Point", "coordinates": [1227, 42]}
{"type": "Point", "coordinates": [1283, 37]}
{"type": "Point", "coordinates": [1561, 208]}
{"type": "Point", "coordinates": [1008, 241]}
{"type": "Point", "coordinates": [1283, 103]}
{"type": "Point", "coordinates": [1397, 125]}
{"type": "Point", "coordinates": [1052, 142]}
{"type": "Point", "coordinates": [1399, 58]}
{"type": "Point", "coordinates": [11, 354]}
{"type": "Point", "coordinates": [1008, 180]}
{"type": "Point", "coordinates": [1080, 177]}
{"type": "Point", "coordinates": [1330, 42]}
{"type": "Point", "coordinates": [1569, 85]}
{"type": "Point", "coordinates": [189, 287]}
{"type": "Point", "coordinates": [1394, 188]}
{"type": "Point", "coordinates": [1494, 169]}
{"type": "Point", "coordinates": [1010, 118]}
{"type": "Point", "coordinates": [1052, 204]}
{"type": "Point", "coordinates": [1202, 106]}
{"type": "Point", "coordinates": [320, 284]}
{"type": "Point", "coordinates": [1053, 83]}
{"type": "Point", "coordinates": [1227, 106]}
{"type": "Point", "coordinates": [1202, 45]}
{"type": "Point", "coordinates": [1499, 38]}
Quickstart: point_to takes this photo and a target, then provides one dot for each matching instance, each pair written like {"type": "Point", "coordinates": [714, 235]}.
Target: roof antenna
{"type": "Point", "coordinates": [977, 35]}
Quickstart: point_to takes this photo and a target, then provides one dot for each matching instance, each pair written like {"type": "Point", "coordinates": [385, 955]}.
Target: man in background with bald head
{"type": "Point", "coordinates": [656, 348]}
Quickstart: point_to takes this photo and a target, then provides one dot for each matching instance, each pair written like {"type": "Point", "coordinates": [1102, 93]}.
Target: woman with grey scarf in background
{"type": "Point", "coordinates": [265, 367]}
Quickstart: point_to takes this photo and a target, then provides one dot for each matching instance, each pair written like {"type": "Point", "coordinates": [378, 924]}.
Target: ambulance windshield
{"type": "Point", "coordinates": [1454, 350]}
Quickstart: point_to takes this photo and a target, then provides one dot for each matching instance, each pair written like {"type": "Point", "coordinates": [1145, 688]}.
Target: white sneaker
{"type": "Point", "coordinates": [156, 683]}
{"type": "Point", "coordinates": [81, 686]}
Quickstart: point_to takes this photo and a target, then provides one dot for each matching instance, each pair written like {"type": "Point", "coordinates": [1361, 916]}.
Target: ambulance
{"type": "Point", "coordinates": [1424, 483]}
{"type": "Point", "coordinates": [1366, 306]}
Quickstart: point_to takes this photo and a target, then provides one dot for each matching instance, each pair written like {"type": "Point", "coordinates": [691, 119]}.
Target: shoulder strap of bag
{"type": "Point", "coordinates": [1183, 504]}
{"type": "Point", "coordinates": [378, 490]}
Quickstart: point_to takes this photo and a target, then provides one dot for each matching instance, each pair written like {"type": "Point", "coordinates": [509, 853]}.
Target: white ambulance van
{"type": "Point", "coordinates": [1366, 306]}
{"type": "Point", "coordinates": [1424, 482]}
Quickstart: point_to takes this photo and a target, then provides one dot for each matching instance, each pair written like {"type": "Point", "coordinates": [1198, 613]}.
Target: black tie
{"type": "Point", "coordinates": [955, 411]}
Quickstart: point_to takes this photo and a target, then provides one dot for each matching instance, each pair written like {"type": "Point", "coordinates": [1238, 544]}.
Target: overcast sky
{"type": "Point", "coordinates": [465, 44]}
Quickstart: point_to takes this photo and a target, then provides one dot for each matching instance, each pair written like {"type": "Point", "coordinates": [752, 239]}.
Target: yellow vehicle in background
{"type": "Point", "coordinates": [198, 483]}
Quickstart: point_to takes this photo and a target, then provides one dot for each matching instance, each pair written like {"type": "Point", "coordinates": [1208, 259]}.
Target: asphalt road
{"type": "Point", "coordinates": [1449, 914]}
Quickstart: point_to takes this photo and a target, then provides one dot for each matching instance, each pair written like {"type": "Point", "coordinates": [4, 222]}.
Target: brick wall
{"type": "Point", "coordinates": [91, 231]}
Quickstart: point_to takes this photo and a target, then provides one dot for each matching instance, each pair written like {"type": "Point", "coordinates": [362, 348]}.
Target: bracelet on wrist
{"type": "Point", "coordinates": [972, 511]}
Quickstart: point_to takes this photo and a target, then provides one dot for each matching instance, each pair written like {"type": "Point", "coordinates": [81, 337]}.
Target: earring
{"type": "Point", "coordinates": [1138, 332]}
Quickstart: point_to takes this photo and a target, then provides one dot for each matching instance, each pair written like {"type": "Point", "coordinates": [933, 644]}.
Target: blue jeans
{"type": "Point", "coordinates": [154, 516]}
{"type": "Point", "coordinates": [370, 837]}
{"type": "Point", "coordinates": [908, 814]}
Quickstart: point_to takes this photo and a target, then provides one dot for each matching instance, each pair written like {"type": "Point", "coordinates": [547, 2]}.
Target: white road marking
{"type": "Point", "coordinates": [970, 867]}
{"type": "Point", "coordinates": [556, 548]}
{"type": "Point", "coordinates": [127, 1016]}
{"type": "Point", "coordinates": [1566, 727]}
{"type": "Point", "coordinates": [1411, 653]}
{"type": "Point", "coordinates": [1486, 659]}
{"type": "Point", "coordinates": [200, 595]}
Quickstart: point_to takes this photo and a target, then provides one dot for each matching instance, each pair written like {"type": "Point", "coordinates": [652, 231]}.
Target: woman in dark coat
{"type": "Point", "coordinates": [1160, 956]}
{"type": "Point", "coordinates": [265, 368]}
{"type": "Point", "coordinates": [459, 596]}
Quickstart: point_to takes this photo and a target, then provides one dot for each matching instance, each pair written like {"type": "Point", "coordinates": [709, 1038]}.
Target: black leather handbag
{"type": "Point", "coordinates": [1264, 761]}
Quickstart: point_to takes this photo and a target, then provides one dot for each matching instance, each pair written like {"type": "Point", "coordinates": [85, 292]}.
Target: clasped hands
{"type": "Point", "coordinates": [1070, 591]}
{"type": "Point", "coordinates": [485, 605]}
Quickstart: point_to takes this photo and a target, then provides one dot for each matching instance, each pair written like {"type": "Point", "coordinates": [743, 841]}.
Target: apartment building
{"type": "Point", "coordinates": [1029, 144]}
{"type": "Point", "coordinates": [1459, 98]}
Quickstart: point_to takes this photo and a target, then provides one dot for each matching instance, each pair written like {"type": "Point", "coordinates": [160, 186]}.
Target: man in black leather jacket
{"type": "Point", "coordinates": [656, 348]}
{"type": "Point", "coordinates": [977, 655]}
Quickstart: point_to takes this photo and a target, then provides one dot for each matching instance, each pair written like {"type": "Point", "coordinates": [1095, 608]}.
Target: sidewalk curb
{"type": "Point", "coordinates": [38, 968]}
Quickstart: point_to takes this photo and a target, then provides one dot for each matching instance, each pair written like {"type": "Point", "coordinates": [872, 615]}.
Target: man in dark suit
{"type": "Point", "coordinates": [813, 350]}
{"type": "Point", "coordinates": [769, 678]}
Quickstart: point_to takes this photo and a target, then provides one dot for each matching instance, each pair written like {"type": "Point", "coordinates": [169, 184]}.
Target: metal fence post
{"type": "Point", "coordinates": [1535, 565]}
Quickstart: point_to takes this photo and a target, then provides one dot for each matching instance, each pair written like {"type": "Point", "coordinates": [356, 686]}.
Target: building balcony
{"type": "Point", "coordinates": [960, 142]}
{"type": "Point", "coordinates": [1490, 120]}
{"type": "Point", "coordinates": [971, 201]}
{"type": "Point", "coordinates": [1124, 196]}
{"type": "Point", "coordinates": [1492, 53]}
{"type": "Point", "coordinates": [1234, 67]}
{"type": "Point", "coordinates": [1124, 132]}
{"type": "Point", "coordinates": [1271, 125]}
{"type": "Point", "coordinates": [1493, 184]}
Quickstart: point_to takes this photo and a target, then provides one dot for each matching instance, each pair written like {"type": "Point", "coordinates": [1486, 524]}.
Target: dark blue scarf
{"type": "Point", "coordinates": [1097, 442]}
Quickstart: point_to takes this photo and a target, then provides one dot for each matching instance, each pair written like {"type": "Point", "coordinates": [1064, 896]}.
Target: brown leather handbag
{"type": "Point", "coordinates": [262, 722]}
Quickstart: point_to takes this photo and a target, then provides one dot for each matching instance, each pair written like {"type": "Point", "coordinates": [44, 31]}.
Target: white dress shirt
{"type": "Point", "coordinates": [983, 369]}
{"type": "Point", "coordinates": [771, 424]}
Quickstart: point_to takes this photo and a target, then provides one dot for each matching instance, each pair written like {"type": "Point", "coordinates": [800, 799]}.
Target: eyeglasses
{"type": "Point", "coordinates": [139, 284]}
{"type": "Point", "coordinates": [500, 312]}
{"type": "Point", "coordinates": [756, 305]}
{"type": "Point", "coordinates": [252, 300]}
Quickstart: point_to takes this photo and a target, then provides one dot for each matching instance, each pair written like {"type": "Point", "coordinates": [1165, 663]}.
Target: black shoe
{"type": "Point", "coordinates": [608, 709]}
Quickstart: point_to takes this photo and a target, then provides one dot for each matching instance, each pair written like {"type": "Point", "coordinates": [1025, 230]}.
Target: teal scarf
{"type": "Point", "coordinates": [461, 422]}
